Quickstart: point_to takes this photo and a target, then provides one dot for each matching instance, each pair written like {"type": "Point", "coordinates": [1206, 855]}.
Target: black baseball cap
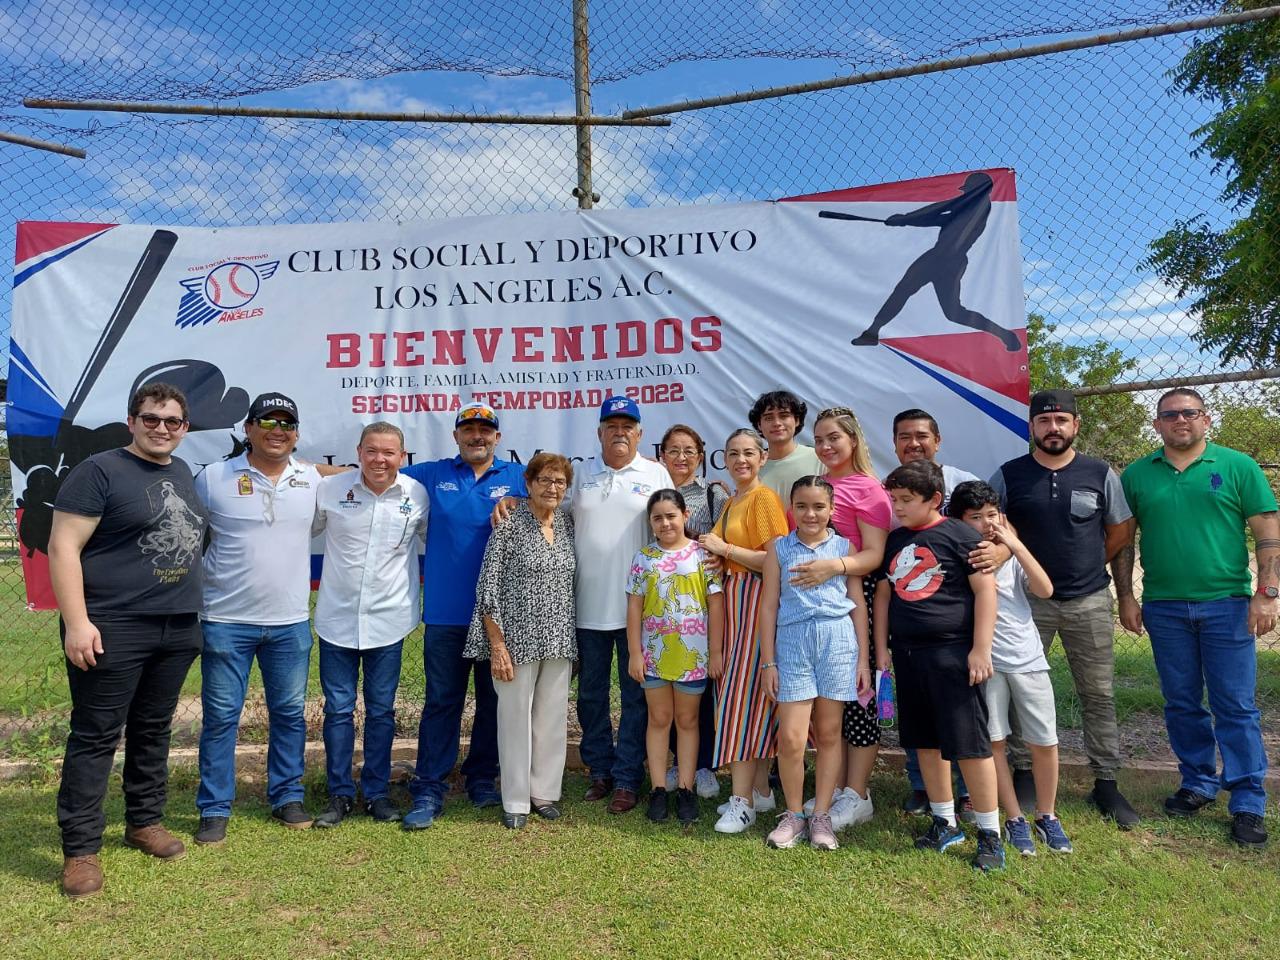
{"type": "Point", "coordinates": [1053, 401]}
{"type": "Point", "coordinates": [266, 403]}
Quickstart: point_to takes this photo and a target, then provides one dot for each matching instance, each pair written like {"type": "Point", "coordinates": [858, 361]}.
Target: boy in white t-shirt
{"type": "Point", "coordinates": [1021, 677]}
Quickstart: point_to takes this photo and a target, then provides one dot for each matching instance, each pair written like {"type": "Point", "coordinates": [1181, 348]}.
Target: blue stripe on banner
{"type": "Point", "coordinates": [997, 413]}
{"type": "Point", "coordinates": [37, 267]}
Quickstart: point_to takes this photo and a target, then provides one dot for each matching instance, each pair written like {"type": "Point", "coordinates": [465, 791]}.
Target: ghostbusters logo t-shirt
{"type": "Point", "coordinates": [930, 601]}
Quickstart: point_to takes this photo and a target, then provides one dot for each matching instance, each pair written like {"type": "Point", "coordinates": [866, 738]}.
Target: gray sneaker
{"type": "Point", "coordinates": [791, 829]}
{"type": "Point", "coordinates": [821, 834]}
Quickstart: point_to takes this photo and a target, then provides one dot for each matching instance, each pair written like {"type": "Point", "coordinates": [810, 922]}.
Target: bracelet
{"type": "Point", "coordinates": [766, 666]}
{"type": "Point", "coordinates": [844, 571]}
{"type": "Point", "coordinates": [728, 551]}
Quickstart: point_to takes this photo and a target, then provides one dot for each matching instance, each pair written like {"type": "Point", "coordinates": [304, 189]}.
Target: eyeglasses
{"type": "Point", "coordinates": [559, 483]}
{"type": "Point", "coordinates": [686, 454]}
{"type": "Point", "coordinates": [1190, 414]}
{"type": "Point", "coordinates": [151, 421]}
{"type": "Point", "coordinates": [268, 424]}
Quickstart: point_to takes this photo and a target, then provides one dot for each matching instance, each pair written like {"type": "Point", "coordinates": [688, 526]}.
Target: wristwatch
{"type": "Point", "coordinates": [1270, 593]}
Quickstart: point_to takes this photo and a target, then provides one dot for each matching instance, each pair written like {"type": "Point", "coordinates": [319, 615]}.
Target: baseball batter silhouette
{"type": "Point", "coordinates": [961, 221]}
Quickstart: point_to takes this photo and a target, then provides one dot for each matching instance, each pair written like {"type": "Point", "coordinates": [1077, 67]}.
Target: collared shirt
{"type": "Point", "coordinates": [610, 526]}
{"type": "Point", "coordinates": [1192, 522]}
{"type": "Point", "coordinates": [369, 586]}
{"type": "Point", "coordinates": [461, 505]}
{"type": "Point", "coordinates": [258, 566]}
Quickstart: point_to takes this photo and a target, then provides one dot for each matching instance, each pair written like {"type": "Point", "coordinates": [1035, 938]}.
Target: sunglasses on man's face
{"type": "Point", "coordinates": [151, 421]}
{"type": "Point", "coordinates": [1190, 414]}
{"type": "Point", "coordinates": [268, 424]}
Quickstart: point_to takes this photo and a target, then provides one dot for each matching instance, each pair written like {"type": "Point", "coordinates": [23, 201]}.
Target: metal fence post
{"type": "Point", "coordinates": [582, 104]}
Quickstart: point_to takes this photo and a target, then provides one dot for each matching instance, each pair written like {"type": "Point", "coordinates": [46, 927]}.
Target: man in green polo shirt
{"type": "Point", "coordinates": [1192, 500]}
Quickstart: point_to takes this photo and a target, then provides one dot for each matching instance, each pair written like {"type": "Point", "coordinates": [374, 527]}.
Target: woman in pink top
{"type": "Point", "coordinates": [862, 514]}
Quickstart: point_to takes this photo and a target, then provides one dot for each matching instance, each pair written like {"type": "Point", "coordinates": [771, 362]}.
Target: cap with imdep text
{"type": "Point", "coordinates": [619, 407]}
{"type": "Point", "coordinates": [1053, 401]}
{"type": "Point", "coordinates": [476, 413]}
{"type": "Point", "coordinates": [272, 403]}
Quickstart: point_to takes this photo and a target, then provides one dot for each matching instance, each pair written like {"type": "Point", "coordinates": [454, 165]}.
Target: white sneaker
{"type": "Point", "coordinates": [849, 809]}
{"type": "Point", "coordinates": [673, 779]}
{"type": "Point", "coordinates": [738, 817]}
{"type": "Point", "coordinates": [761, 804]}
{"type": "Point", "coordinates": [809, 804]}
{"type": "Point", "coordinates": [706, 783]}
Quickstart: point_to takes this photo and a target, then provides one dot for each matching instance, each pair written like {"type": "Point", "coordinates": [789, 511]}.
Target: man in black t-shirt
{"type": "Point", "coordinates": [1070, 511]}
{"type": "Point", "coordinates": [124, 558]}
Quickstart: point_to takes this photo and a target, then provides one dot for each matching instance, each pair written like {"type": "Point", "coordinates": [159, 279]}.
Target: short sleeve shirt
{"type": "Point", "coordinates": [1062, 516]}
{"type": "Point", "coordinates": [143, 558]}
{"type": "Point", "coordinates": [1015, 646]}
{"type": "Point", "coordinates": [750, 521]}
{"type": "Point", "coordinates": [859, 497]}
{"type": "Point", "coordinates": [610, 524]}
{"type": "Point", "coordinates": [675, 585]}
{"type": "Point", "coordinates": [930, 600]}
{"type": "Point", "coordinates": [257, 569]}
{"type": "Point", "coordinates": [461, 505]}
{"type": "Point", "coordinates": [1192, 522]}
{"type": "Point", "coordinates": [779, 475]}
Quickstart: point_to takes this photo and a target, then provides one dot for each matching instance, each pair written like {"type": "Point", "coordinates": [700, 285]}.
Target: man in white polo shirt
{"type": "Point", "coordinates": [373, 525]}
{"type": "Point", "coordinates": [609, 507]}
{"type": "Point", "coordinates": [257, 584]}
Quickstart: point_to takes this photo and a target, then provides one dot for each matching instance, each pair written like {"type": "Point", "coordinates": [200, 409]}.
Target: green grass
{"type": "Point", "coordinates": [593, 885]}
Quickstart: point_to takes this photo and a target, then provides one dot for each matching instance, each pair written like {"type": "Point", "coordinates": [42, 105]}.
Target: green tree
{"type": "Point", "coordinates": [1112, 426]}
{"type": "Point", "coordinates": [1233, 273]}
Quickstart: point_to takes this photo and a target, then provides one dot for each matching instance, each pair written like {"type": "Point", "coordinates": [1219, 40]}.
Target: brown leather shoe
{"type": "Point", "coordinates": [598, 790]}
{"type": "Point", "coordinates": [155, 841]}
{"type": "Point", "coordinates": [81, 876]}
{"type": "Point", "coordinates": [623, 800]}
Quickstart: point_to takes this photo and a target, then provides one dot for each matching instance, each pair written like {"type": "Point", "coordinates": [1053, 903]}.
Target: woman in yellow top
{"type": "Point", "coordinates": [746, 725]}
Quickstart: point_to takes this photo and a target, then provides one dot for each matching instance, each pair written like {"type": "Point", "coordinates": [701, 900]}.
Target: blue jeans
{"type": "Point", "coordinates": [625, 765]}
{"type": "Point", "coordinates": [284, 653]}
{"type": "Point", "coordinates": [447, 672]}
{"type": "Point", "coordinates": [339, 673]}
{"type": "Point", "coordinates": [916, 779]}
{"type": "Point", "coordinates": [1200, 644]}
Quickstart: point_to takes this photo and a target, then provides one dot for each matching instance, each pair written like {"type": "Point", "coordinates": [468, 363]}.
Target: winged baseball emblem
{"type": "Point", "coordinates": [228, 286]}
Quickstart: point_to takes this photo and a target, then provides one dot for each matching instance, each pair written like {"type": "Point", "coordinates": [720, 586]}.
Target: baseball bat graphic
{"type": "Point", "coordinates": [135, 291]}
{"type": "Point", "coordinates": [832, 215]}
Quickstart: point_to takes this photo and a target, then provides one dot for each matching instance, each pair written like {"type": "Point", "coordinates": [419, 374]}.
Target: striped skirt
{"type": "Point", "coordinates": [746, 720]}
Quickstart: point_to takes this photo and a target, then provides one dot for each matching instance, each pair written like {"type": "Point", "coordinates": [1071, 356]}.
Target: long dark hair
{"type": "Point", "coordinates": [670, 495]}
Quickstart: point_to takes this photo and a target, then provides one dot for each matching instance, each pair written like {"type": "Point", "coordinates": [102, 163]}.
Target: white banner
{"type": "Point", "coordinates": [879, 298]}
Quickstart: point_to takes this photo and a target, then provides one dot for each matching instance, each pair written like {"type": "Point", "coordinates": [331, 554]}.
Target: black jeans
{"type": "Point", "coordinates": [134, 687]}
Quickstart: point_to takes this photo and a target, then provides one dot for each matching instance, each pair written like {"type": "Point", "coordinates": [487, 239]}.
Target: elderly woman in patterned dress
{"type": "Point", "coordinates": [524, 625]}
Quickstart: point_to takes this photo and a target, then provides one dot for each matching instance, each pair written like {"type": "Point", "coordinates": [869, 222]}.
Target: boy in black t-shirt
{"type": "Point", "coordinates": [941, 615]}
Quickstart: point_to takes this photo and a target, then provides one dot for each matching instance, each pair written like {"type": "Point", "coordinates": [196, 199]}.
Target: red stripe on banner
{"type": "Point", "coordinates": [925, 189]}
{"type": "Point", "coordinates": [35, 570]}
{"type": "Point", "coordinates": [979, 357]}
{"type": "Point", "coordinates": [40, 236]}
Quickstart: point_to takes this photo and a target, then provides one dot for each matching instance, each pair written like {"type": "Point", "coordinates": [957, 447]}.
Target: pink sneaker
{"type": "Point", "coordinates": [791, 829]}
{"type": "Point", "coordinates": [821, 834]}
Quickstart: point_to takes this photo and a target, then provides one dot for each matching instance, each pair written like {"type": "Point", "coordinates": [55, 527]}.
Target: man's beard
{"type": "Point", "coordinates": [1065, 441]}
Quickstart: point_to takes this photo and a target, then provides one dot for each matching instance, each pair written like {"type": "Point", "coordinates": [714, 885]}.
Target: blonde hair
{"type": "Point", "coordinates": [847, 421]}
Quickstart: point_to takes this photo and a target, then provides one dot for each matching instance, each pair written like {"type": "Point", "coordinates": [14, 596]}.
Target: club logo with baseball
{"type": "Point", "coordinates": [223, 290]}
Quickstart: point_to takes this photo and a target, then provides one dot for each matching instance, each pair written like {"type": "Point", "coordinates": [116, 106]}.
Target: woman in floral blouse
{"type": "Point", "coordinates": [524, 625]}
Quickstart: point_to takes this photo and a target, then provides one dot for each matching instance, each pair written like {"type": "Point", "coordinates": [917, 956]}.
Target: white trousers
{"type": "Point", "coordinates": [533, 731]}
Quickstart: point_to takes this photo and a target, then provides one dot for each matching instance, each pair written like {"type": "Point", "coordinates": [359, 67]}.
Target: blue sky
{"type": "Point", "coordinates": [1101, 146]}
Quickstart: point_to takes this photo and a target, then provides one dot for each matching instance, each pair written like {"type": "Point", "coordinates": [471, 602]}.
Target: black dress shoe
{"type": "Point", "coordinates": [514, 821]}
{"type": "Point", "coordinates": [1186, 803]}
{"type": "Point", "coordinates": [547, 811]}
{"type": "Point", "coordinates": [212, 831]}
{"type": "Point", "coordinates": [293, 815]}
{"type": "Point", "coordinates": [1106, 796]}
{"type": "Point", "coordinates": [1247, 830]}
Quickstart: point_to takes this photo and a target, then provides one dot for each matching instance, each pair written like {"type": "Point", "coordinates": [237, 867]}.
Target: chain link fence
{"type": "Point", "coordinates": [1104, 142]}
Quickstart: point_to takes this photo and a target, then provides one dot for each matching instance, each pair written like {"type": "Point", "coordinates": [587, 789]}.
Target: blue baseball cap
{"type": "Point", "coordinates": [619, 407]}
{"type": "Point", "coordinates": [476, 413]}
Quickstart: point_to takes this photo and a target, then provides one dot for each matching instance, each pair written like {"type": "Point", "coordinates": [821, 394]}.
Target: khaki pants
{"type": "Point", "coordinates": [1087, 629]}
{"type": "Point", "coordinates": [533, 719]}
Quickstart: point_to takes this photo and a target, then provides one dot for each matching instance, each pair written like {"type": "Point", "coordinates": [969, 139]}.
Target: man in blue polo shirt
{"type": "Point", "coordinates": [463, 491]}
